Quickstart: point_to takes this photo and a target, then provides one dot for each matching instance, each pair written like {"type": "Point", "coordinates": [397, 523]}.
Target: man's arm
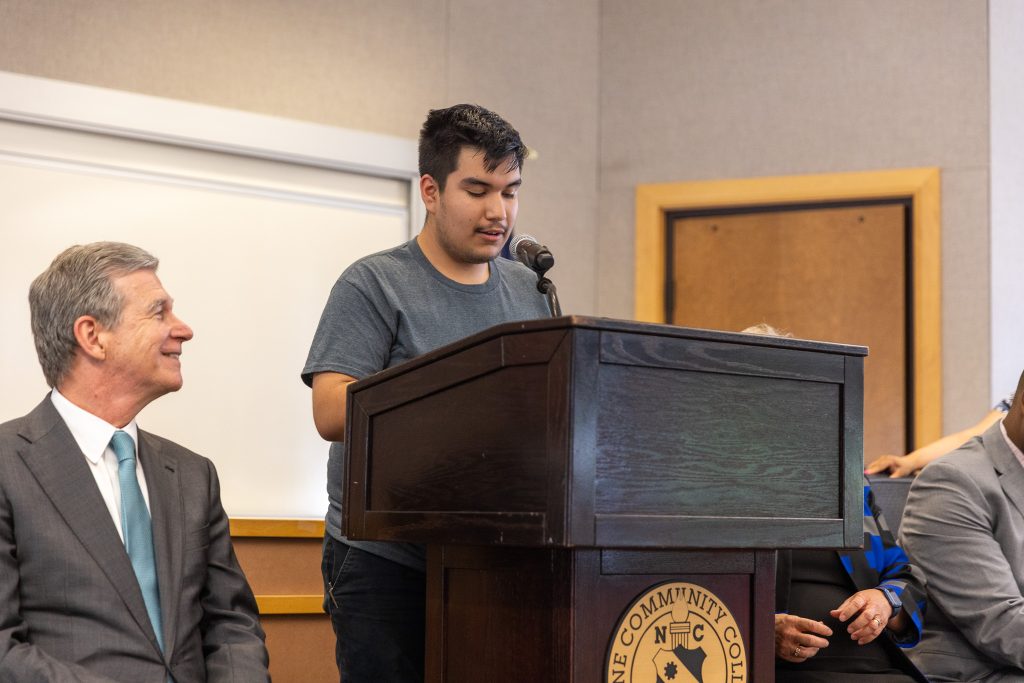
{"type": "Point", "coordinates": [330, 397]}
{"type": "Point", "coordinates": [895, 572]}
{"type": "Point", "coordinates": [233, 640]}
{"type": "Point", "coordinates": [948, 531]}
{"type": "Point", "coordinates": [913, 462]}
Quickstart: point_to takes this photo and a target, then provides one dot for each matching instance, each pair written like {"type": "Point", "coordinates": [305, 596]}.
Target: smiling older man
{"type": "Point", "coordinates": [115, 558]}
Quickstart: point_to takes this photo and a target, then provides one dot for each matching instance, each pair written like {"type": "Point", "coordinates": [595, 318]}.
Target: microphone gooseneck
{"type": "Point", "coordinates": [538, 258]}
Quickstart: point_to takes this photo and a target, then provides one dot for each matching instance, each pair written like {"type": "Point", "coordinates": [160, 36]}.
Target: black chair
{"type": "Point", "coordinates": [891, 496]}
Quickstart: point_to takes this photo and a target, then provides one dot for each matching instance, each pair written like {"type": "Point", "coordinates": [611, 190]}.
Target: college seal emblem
{"type": "Point", "coordinates": [676, 632]}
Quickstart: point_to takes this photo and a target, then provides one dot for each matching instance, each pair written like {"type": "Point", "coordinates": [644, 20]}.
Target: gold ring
{"type": "Point", "coordinates": [877, 621]}
{"type": "Point", "coordinates": [796, 652]}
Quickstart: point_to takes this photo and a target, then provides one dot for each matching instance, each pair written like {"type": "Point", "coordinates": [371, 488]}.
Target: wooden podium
{"type": "Point", "coordinates": [602, 499]}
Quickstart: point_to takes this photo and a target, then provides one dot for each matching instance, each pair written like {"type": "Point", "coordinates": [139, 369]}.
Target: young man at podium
{"type": "Point", "coordinates": [445, 284]}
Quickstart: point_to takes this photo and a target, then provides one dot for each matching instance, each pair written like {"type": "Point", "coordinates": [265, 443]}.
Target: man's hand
{"type": "Point", "coordinates": [798, 639]}
{"type": "Point", "coordinates": [896, 465]}
{"type": "Point", "coordinates": [868, 612]}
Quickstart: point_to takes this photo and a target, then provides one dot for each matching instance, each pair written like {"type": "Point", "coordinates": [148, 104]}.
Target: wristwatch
{"type": "Point", "coordinates": [893, 600]}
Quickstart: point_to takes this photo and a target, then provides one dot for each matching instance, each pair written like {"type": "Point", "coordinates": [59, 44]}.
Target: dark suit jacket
{"type": "Point", "coordinates": [70, 606]}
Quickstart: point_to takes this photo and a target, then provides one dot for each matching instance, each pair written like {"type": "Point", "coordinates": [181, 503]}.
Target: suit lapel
{"type": "Point", "coordinates": [53, 457]}
{"type": "Point", "coordinates": [162, 482]}
{"type": "Point", "coordinates": [1011, 473]}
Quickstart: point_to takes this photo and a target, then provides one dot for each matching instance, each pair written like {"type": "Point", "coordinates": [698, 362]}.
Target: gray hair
{"type": "Point", "coordinates": [79, 282]}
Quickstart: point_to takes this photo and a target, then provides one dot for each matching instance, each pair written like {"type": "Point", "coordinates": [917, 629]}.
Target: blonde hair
{"type": "Point", "coordinates": [766, 330]}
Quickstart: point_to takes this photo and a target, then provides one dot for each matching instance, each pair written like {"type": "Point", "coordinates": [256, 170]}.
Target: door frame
{"type": "Point", "coordinates": [921, 186]}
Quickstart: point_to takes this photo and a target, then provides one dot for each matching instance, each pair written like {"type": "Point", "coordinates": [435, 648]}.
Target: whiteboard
{"type": "Point", "coordinates": [249, 249]}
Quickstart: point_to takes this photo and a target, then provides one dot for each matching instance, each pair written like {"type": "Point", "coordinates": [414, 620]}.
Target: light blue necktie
{"type": "Point", "coordinates": [137, 529]}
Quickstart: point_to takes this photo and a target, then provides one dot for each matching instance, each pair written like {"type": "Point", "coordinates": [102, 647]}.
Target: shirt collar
{"type": "Point", "coordinates": [92, 433]}
{"type": "Point", "coordinates": [1013, 447]}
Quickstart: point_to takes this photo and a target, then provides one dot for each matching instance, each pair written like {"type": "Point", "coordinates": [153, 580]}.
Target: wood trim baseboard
{"type": "Point", "coordinates": [921, 185]}
{"type": "Point", "coordinates": [249, 527]}
{"type": "Point", "coordinates": [290, 604]}
{"type": "Point", "coordinates": [276, 528]}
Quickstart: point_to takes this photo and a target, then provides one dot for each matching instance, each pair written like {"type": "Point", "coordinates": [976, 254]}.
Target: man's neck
{"type": "Point", "coordinates": [453, 269]}
{"type": "Point", "coordinates": [1013, 423]}
{"type": "Point", "coordinates": [92, 398]}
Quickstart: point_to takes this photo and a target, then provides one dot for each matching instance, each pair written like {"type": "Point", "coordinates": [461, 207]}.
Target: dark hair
{"type": "Point", "coordinates": [447, 131]}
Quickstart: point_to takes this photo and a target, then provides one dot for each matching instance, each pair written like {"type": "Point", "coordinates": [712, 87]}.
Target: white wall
{"type": "Point", "coordinates": [250, 244]}
{"type": "Point", "coordinates": [1006, 65]}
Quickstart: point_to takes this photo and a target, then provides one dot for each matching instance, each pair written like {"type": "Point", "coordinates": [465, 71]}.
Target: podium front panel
{"type": "Point", "coordinates": [580, 432]}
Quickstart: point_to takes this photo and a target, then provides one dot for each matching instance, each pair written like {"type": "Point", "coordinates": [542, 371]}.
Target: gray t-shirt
{"type": "Point", "coordinates": [391, 307]}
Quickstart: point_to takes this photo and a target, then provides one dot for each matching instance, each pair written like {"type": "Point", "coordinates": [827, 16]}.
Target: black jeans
{"type": "Point", "coordinates": [378, 611]}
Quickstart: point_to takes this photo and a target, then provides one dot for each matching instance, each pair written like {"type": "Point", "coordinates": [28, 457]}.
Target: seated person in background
{"type": "Point", "coordinates": [913, 462]}
{"type": "Point", "coordinates": [824, 633]}
{"type": "Point", "coordinates": [845, 615]}
{"type": "Point", "coordinates": [964, 526]}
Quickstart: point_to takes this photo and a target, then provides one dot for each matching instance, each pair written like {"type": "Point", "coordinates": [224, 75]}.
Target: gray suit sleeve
{"type": "Point", "coordinates": [233, 641]}
{"type": "Point", "coordinates": [948, 532]}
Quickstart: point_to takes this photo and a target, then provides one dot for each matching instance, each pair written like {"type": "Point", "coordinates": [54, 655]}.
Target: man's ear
{"type": "Point", "coordinates": [430, 192]}
{"type": "Point", "coordinates": [90, 337]}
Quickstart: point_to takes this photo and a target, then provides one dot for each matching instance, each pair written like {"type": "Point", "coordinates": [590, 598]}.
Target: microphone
{"type": "Point", "coordinates": [536, 257]}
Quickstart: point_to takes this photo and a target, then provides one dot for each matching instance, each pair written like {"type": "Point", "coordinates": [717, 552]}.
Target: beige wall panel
{"type": "Point", "coordinates": [363, 64]}
{"type": "Point", "coordinates": [734, 88]}
{"type": "Point", "coordinates": [965, 297]}
{"type": "Point", "coordinates": [540, 70]}
{"type": "Point", "coordinates": [731, 88]}
{"type": "Point", "coordinates": [301, 648]}
{"type": "Point", "coordinates": [281, 566]}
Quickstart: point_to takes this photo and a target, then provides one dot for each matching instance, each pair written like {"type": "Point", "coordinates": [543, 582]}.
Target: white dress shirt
{"type": "Point", "coordinates": [93, 437]}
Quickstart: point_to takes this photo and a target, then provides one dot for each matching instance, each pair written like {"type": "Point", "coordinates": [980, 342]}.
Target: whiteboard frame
{"type": "Point", "coordinates": [74, 106]}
